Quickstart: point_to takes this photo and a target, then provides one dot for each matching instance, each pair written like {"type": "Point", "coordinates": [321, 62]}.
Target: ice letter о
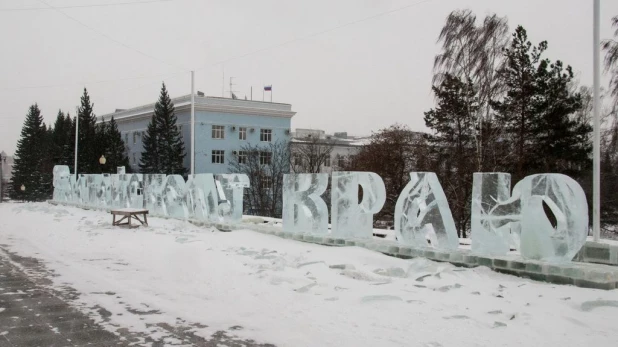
{"type": "Point", "coordinates": [349, 218]}
{"type": "Point", "coordinates": [422, 213]}
{"type": "Point", "coordinates": [494, 212]}
{"type": "Point", "coordinates": [304, 210]}
{"type": "Point", "coordinates": [567, 201]}
{"type": "Point", "coordinates": [233, 186]}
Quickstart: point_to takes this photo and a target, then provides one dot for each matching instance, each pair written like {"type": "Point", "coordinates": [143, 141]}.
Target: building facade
{"type": "Point", "coordinates": [337, 148]}
{"type": "Point", "coordinates": [222, 127]}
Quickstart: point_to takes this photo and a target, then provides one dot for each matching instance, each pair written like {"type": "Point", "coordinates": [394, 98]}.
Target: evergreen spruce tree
{"type": "Point", "coordinates": [28, 167]}
{"type": "Point", "coordinates": [89, 150]}
{"type": "Point", "coordinates": [61, 139]}
{"type": "Point", "coordinates": [150, 160]}
{"type": "Point", "coordinates": [517, 112]}
{"type": "Point", "coordinates": [171, 146]}
{"type": "Point", "coordinates": [164, 150]}
{"type": "Point", "coordinates": [453, 142]}
{"type": "Point", "coordinates": [116, 151]}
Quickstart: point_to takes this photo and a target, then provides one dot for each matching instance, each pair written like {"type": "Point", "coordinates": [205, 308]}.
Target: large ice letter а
{"type": "Point", "coordinates": [349, 218]}
{"type": "Point", "coordinates": [422, 213]}
{"type": "Point", "coordinates": [304, 210]}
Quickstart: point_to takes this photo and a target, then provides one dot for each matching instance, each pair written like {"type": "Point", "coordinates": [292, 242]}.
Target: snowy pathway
{"type": "Point", "coordinates": [289, 293]}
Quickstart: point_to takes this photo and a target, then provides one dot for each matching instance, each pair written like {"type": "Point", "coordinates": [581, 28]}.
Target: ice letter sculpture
{"type": "Point", "coordinates": [233, 187]}
{"type": "Point", "coordinates": [567, 201]}
{"type": "Point", "coordinates": [174, 204]}
{"type": "Point", "coordinates": [349, 218]}
{"type": "Point", "coordinates": [495, 214]}
{"type": "Point", "coordinates": [304, 210]}
{"type": "Point", "coordinates": [63, 190]}
{"type": "Point", "coordinates": [202, 198]}
{"type": "Point", "coordinates": [422, 213]}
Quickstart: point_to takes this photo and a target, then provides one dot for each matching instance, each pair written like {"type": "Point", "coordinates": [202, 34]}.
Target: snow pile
{"type": "Point", "coordinates": [295, 294]}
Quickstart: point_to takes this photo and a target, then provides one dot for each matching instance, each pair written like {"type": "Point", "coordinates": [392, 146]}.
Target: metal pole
{"type": "Point", "coordinates": [76, 142]}
{"type": "Point", "coordinates": [1, 195]}
{"type": "Point", "coordinates": [271, 94]}
{"type": "Point", "coordinates": [192, 123]}
{"type": "Point", "coordinates": [596, 160]}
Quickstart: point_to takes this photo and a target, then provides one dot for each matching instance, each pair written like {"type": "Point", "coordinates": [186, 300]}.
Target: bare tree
{"type": "Point", "coordinates": [392, 153]}
{"type": "Point", "coordinates": [265, 166]}
{"type": "Point", "coordinates": [610, 46]}
{"type": "Point", "coordinates": [474, 53]}
{"type": "Point", "coordinates": [311, 154]}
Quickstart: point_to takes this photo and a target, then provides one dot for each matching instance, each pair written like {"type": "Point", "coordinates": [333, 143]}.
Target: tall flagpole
{"type": "Point", "coordinates": [192, 123]}
{"type": "Point", "coordinates": [596, 153]}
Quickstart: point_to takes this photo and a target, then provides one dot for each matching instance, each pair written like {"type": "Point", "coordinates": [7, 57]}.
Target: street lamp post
{"type": "Point", "coordinates": [102, 161]}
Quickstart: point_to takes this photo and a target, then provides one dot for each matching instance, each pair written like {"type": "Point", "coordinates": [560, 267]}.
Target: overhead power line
{"type": "Point", "coordinates": [111, 38]}
{"type": "Point", "coordinates": [92, 82]}
{"type": "Point", "coordinates": [84, 6]}
{"type": "Point", "coordinates": [322, 32]}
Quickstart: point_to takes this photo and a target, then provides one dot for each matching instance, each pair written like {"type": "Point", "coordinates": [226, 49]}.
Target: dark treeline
{"type": "Point", "coordinates": [501, 106]}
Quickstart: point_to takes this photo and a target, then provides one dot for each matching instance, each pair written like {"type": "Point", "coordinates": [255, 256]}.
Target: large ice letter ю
{"type": "Point", "coordinates": [567, 201]}
{"type": "Point", "coordinates": [495, 214]}
{"type": "Point", "coordinates": [349, 218]}
{"type": "Point", "coordinates": [304, 210]}
{"type": "Point", "coordinates": [422, 213]}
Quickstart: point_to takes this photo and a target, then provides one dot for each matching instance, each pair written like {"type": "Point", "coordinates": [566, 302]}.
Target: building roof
{"type": "Point", "coordinates": [209, 103]}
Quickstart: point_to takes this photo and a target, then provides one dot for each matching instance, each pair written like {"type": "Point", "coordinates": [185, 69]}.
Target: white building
{"type": "Point", "coordinates": [343, 146]}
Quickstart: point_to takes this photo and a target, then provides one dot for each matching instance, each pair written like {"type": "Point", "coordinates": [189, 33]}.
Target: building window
{"type": "Point", "coordinates": [266, 135]}
{"type": "Point", "coordinates": [242, 157]}
{"type": "Point", "coordinates": [340, 161]}
{"type": "Point", "coordinates": [267, 182]}
{"type": "Point", "coordinates": [242, 133]}
{"type": "Point", "coordinates": [134, 137]}
{"type": "Point", "coordinates": [126, 138]}
{"type": "Point", "coordinates": [265, 158]}
{"type": "Point", "coordinates": [298, 160]}
{"type": "Point", "coordinates": [327, 161]}
{"type": "Point", "coordinates": [218, 131]}
{"type": "Point", "coordinates": [217, 156]}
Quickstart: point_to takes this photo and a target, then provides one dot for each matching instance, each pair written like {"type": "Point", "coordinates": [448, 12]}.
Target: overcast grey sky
{"type": "Point", "coordinates": [339, 72]}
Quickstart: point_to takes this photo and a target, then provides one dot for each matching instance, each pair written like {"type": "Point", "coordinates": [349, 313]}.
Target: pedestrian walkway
{"type": "Point", "coordinates": [30, 315]}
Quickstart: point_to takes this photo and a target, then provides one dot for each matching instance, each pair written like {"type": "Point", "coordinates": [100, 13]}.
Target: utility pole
{"type": "Point", "coordinates": [596, 152]}
{"type": "Point", "coordinates": [76, 139]}
{"type": "Point", "coordinates": [192, 123]}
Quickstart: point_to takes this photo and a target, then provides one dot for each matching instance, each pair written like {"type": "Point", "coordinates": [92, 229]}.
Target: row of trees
{"type": "Point", "coordinates": [501, 106]}
{"type": "Point", "coordinates": [40, 147]}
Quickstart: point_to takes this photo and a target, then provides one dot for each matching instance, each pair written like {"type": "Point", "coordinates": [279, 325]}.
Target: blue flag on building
{"type": "Point", "coordinates": [268, 88]}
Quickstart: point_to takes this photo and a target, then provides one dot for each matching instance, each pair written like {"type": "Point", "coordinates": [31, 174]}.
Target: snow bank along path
{"type": "Point", "coordinates": [296, 294]}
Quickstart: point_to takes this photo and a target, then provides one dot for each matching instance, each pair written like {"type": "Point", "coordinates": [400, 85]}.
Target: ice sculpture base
{"type": "Point", "coordinates": [581, 274]}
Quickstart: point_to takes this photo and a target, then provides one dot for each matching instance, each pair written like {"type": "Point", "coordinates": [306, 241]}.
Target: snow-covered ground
{"type": "Point", "coordinates": [296, 294]}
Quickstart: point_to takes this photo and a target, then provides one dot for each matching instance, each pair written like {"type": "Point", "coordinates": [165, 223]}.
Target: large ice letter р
{"type": "Point", "coordinates": [349, 218]}
{"type": "Point", "coordinates": [422, 213]}
{"type": "Point", "coordinates": [304, 210]}
{"type": "Point", "coordinates": [567, 201]}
